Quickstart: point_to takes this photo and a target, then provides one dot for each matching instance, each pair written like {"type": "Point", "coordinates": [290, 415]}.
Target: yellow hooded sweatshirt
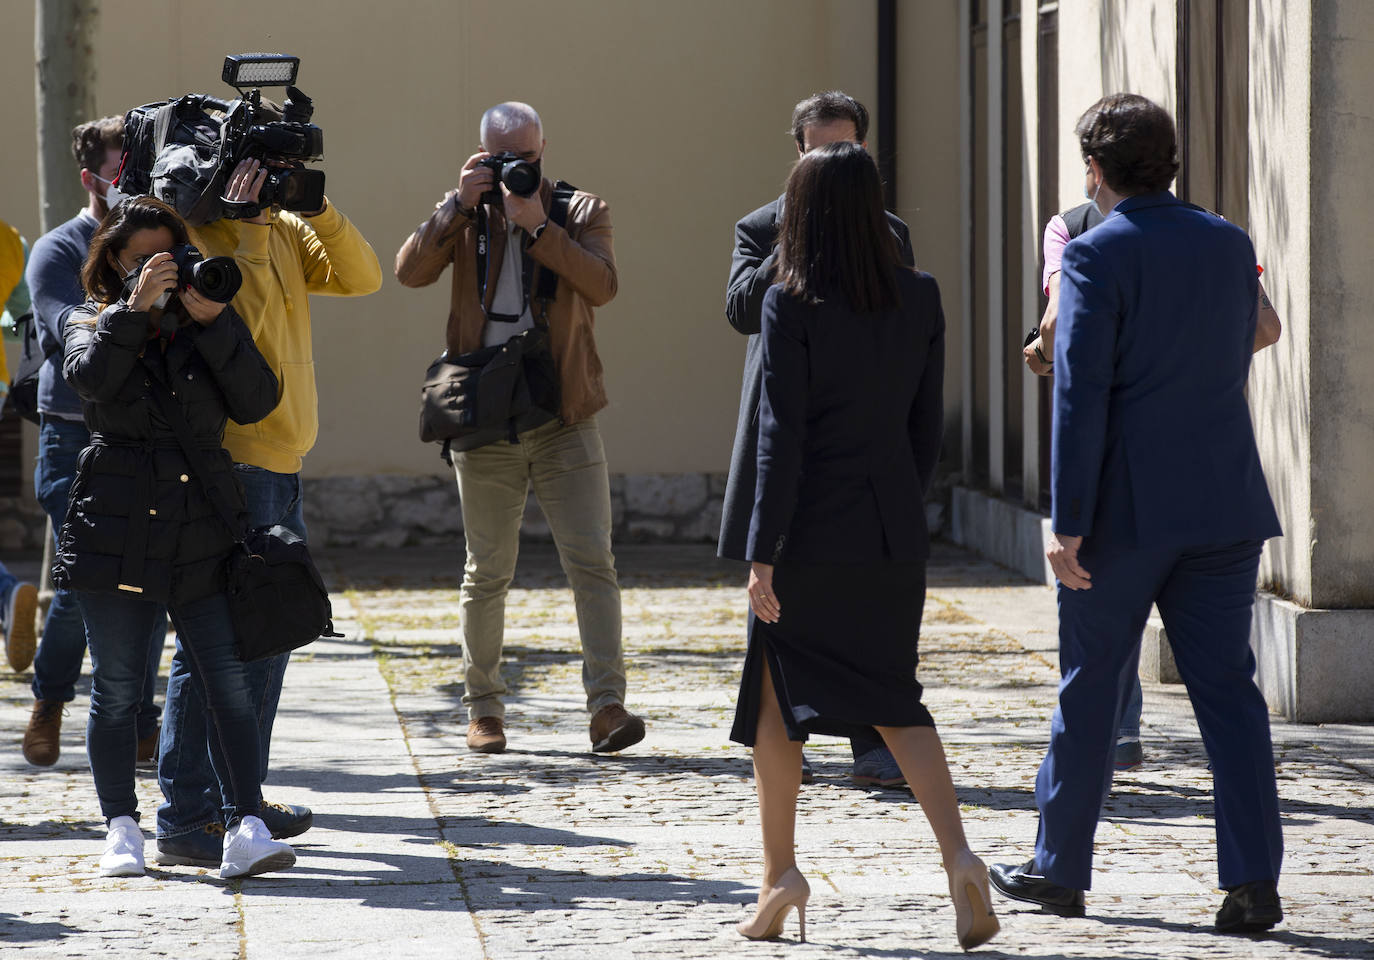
{"type": "Point", "coordinates": [282, 262]}
{"type": "Point", "coordinates": [11, 275]}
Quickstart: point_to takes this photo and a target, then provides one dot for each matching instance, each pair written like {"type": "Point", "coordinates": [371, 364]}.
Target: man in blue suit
{"type": "Point", "coordinates": [1159, 498]}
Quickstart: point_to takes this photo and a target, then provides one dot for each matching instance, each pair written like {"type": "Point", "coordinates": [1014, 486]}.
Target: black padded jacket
{"type": "Point", "coordinates": [138, 519]}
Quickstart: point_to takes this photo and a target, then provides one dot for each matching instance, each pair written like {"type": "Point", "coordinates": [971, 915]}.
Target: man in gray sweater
{"type": "Point", "coordinates": [54, 280]}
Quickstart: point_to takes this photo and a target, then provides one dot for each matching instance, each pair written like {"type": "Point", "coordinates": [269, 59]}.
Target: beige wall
{"type": "Point", "coordinates": [929, 156]}
{"type": "Point", "coordinates": [1109, 46]}
{"type": "Point", "coordinates": [676, 113]}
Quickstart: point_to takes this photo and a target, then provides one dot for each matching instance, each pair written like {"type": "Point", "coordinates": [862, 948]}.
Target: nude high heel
{"type": "Point", "coordinates": [791, 890]}
{"type": "Point", "coordinates": [974, 921]}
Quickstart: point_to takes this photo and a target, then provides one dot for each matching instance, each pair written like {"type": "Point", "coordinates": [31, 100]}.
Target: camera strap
{"type": "Point", "coordinates": [547, 287]}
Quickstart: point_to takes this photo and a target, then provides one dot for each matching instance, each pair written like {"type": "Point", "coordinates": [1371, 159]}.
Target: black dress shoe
{"type": "Point", "coordinates": [286, 820]}
{"type": "Point", "coordinates": [1250, 908]}
{"type": "Point", "coordinates": [1020, 884]}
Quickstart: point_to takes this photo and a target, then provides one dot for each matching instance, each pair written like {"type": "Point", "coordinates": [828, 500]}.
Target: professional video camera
{"type": "Point", "coordinates": [183, 151]}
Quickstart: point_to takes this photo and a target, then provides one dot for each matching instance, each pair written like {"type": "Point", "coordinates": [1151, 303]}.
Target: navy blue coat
{"type": "Point", "coordinates": [1153, 443]}
{"type": "Point", "coordinates": [849, 427]}
{"type": "Point", "coordinates": [751, 274]}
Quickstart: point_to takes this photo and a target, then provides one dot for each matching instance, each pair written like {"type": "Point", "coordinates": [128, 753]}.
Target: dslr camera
{"type": "Point", "coordinates": [215, 278]}
{"type": "Point", "coordinates": [520, 176]}
{"type": "Point", "coordinates": [183, 151]}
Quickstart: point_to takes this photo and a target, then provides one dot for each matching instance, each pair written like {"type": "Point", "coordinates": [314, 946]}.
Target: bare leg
{"type": "Point", "coordinates": [777, 778]}
{"type": "Point", "coordinates": [921, 757]}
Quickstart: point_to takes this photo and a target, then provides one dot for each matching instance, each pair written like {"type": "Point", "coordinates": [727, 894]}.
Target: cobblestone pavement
{"type": "Point", "coordinates": [421, 849]}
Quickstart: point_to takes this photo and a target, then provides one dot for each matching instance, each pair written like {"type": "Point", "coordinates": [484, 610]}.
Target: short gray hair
{"type": "Point", "coordinates": [508, 116]}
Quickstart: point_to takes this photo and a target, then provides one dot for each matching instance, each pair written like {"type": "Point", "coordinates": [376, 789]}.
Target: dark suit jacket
{"type": "Point", "coordinates": [849, 427]}
{"type": "Point", "coordinates": [1153, 443]}
{"type": "Point", "coordinates": [751, 274]}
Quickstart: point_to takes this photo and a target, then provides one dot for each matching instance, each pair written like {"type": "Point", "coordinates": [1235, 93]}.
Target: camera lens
{"type": "Point", "coordinates": [520, 177]}
{"type": "Point", "coordinates": [217, 278]}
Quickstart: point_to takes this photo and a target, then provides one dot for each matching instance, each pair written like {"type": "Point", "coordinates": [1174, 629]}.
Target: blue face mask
{"type": "Point", "coordinates": [1092, 196]}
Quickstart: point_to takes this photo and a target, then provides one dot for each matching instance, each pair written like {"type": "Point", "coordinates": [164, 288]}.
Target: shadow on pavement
{"type": "Point", "coordinates": [16, 930]}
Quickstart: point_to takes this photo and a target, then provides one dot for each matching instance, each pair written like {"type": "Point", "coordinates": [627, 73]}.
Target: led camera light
{"type": "Point", "coordinates": [260, 70]}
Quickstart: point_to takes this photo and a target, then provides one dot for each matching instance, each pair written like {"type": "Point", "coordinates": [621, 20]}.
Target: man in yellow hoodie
{"type": "Point", "coordinates": [284, 258]}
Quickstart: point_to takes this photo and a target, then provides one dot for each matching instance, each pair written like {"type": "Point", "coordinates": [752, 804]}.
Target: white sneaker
{"type": "Point", "coordinates": [250, 850]}
{"type": "Point", "coordinates": [123, 856]}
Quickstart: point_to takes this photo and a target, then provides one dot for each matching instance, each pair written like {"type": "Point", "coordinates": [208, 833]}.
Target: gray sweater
{"type": "Point", "coordinates": [53, 275]}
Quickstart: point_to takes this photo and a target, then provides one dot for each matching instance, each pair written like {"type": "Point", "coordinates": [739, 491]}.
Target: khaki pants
{"type": "Point", "coordinates": [567, 466]}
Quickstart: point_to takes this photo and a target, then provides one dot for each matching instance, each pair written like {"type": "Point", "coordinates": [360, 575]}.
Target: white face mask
{"type": "Point", "coordinates": [113, 195]}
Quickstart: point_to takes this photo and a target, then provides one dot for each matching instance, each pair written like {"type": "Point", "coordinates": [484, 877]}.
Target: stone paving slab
{"type": "Point", "coordinates": [422, 849]}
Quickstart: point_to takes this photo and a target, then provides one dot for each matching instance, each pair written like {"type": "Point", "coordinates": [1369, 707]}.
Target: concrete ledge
{"type": "Point", "coordinates": [1315, 666]}
{"type": "Point", "coordinates": [1156, 656]}
{"type": "Point", "coordinates": [1002, 531]}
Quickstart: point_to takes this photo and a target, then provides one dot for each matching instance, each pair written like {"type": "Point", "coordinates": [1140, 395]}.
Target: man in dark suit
{"type": "Point", "coordinates": [1159, 498]}
{"type": "Point", "coordinates": [824, 118]}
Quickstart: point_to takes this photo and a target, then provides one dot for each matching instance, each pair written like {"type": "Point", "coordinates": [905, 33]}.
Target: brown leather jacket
{"type": "Point", "coordinates": [581, 255]}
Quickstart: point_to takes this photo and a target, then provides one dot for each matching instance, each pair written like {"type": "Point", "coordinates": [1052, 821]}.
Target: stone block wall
{"type": "Point", "coordinates": [22, 522]}
{"type": "Point", "coordinates": [394, 511]}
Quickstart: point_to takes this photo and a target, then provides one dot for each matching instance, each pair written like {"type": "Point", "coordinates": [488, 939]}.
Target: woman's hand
{"type": "Point", "coordinates": [158, 276]}
{"type": "Point", "coordinates": [199, 307]}
{"type": "Point", "coordinates": [762, 600]}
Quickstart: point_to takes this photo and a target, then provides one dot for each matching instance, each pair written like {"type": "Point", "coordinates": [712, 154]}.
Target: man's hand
{"type": "Point", "coordinates": [1037, 366]}
{"type": "Point", "coordinates": [527, 212]}
{"type": "Point", "coordinates": [762, 599]}
{"type": "Point", "coordinates": [245, 185]}
{"type": "Point", "coordinates": [1063, 554]}
{"type": "Point", "coordinates": [474, 181]}
{"type": "Point", "coordinates": [200, 308]}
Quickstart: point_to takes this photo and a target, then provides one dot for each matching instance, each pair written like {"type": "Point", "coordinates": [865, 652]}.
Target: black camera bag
{"type": "Point", "coordinates": [277, 598]}
{"type": "Point", "coordinates": [174, 150]}
{"type": "Point", "coordinates": [24, 386]}
{"type": "Point", "coordinates": [497, 392]}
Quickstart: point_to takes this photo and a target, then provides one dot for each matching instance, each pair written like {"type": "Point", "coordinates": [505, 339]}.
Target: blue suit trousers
{"type": "Point", "coordinates": [1205, 597]}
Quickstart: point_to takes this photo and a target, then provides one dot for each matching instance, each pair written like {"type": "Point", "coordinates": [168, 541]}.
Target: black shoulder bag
{"type": "Point", "coordinates": [496, 392]}
{"type": "Point", "coordinates": [24, 385]}
{"type": "Point", "coordinates": [277, 598]}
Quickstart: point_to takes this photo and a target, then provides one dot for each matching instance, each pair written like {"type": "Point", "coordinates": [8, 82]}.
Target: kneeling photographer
{"type": "Point", "coordinates": [160, 367]}
{"type": "Point", "coordinates": [531, 260]}
{"type": "Point", "coordinates": [247, 196]}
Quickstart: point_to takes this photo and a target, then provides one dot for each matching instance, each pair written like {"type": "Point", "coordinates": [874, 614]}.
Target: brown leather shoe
{"type": "Point", "coordinates": [615, 728]}
{"type": "Point", "coordinates": [486, 735]}
{"type": "Point", "coordinates": [21, 635]}
{"type": "Point", "coordinates": [42, 740]}
{"type": "Point", "coordinates": [147, 747]}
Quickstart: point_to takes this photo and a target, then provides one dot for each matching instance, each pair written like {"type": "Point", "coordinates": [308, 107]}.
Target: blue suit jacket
{"type": "Point", "coordinates": [849, 427]}
{"type": "Point", "coordinates": [1153, 443]}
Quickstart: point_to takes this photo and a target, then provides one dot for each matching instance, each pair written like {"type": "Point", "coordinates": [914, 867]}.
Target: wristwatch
{"type": "Point", "coordinates": [534, 234]}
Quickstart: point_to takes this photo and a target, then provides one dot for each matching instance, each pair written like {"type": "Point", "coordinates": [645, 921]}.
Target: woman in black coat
{"type": "Point", "coordinates": [849, 432]}
{"type": "Point", "coordinates": [140, 532]}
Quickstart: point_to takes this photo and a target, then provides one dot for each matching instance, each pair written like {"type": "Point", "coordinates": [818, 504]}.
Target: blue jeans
{"type": "Point", "coordinates": [119, 668]}
{"type": "Point", "coordinates": [1134, 705]}
{"type": "Point", "coordinates": [183, 767]}
{"type": "Point", "coordinates": [57, 664]}
{"type": "Point", "coordinates": [7, 582]}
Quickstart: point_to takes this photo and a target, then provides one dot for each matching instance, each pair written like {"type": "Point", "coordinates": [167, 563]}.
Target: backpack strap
{"type": "Point", "coordinates": [547, 288]}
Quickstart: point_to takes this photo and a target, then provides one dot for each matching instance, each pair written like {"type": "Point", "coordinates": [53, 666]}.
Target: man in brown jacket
{"type": "Point", "coordinates": [564, 458]}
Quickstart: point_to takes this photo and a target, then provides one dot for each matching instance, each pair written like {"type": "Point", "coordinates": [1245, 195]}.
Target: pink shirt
{"type": "Point", "coordinates": [1056, 239]}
